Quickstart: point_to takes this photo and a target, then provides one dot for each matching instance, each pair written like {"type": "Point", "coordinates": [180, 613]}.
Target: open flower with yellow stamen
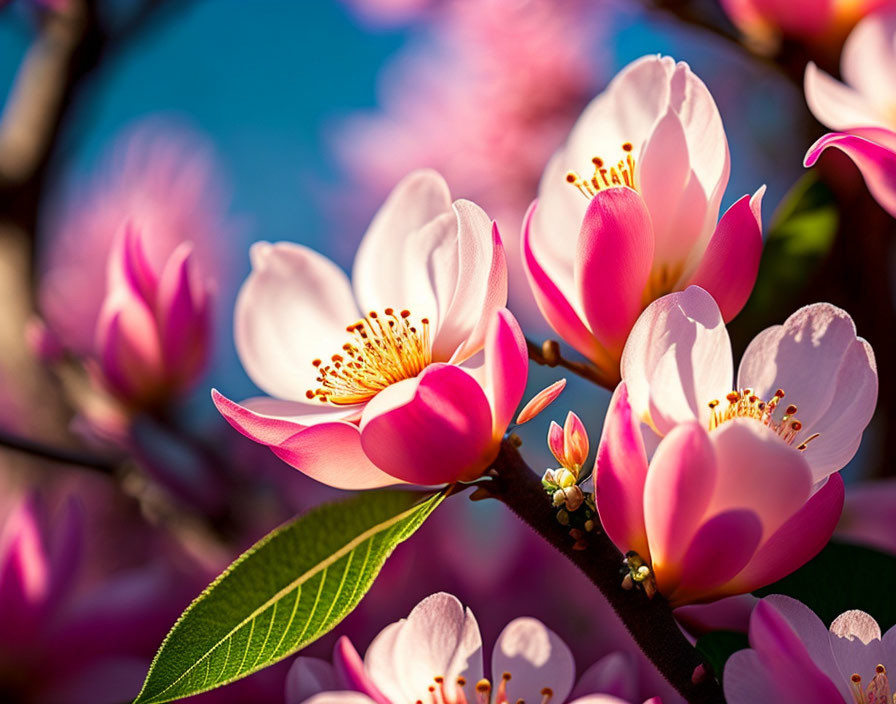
{"type": "Point", "coordinates": [794, 657]}
{"type": "Point", "coordinates": [721, 487]}
{"type": "Point", "coordinates": [435, 655]}
{"type": "Point", "coordinates": [411, 373]}
{"type": "Point", "coordinates": [627, 212]}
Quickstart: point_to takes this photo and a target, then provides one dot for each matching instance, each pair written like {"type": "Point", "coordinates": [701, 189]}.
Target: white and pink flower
{"type": "Point", "coordinates": [627, 211]}
{"type": "Point", "coordinates": [724, 486]}
{"type": "Point", "coordinates": [863, 110]}
{"type": "Point", "coordinates": [793, 657]}
{"type": "Point", "coordinates": [411, 373]}
{"type": "Point", "coordinates": [435, 655]}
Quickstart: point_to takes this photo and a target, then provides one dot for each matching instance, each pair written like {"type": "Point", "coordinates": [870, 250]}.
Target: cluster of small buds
{"type": "Point", "coordinates": [638, 574]}
{"type": "Point", "coordinates": [562, 485]}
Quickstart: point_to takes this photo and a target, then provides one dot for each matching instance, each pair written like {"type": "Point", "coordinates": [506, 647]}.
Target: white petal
{"type": "Point", "coordinates": [536, 658]}
{"type": "Point", "coordinates": [836, 105]}
{"type": "Point", "coordinates": [292, 309]}
{"type": "Point", "coordinates": [677, 359]}
{"type": "Point", "coordinates": [869, 61]}
{"type": "Point", "coordinates": [438, 639]}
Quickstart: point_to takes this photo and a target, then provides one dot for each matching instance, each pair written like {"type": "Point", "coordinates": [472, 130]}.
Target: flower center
{"type": "Point", "coordinates": [744, 403]}
{"type": "Point", "coordinates": [383, 350]}
{"type": "Point", "coordinates": [878, 690]}
{"type": "Point", "coordinates": [623, 174]}
{"type": "Point", "coordinates": [442, 693]}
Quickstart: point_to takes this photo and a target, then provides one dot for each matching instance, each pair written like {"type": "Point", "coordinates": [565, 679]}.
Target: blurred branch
{"type": "Point", "coordinates": [57, 454]}
{"type": "Point", "coordinates": [649, 621]}
{"type": "Point", "coordinates": [548, 354]}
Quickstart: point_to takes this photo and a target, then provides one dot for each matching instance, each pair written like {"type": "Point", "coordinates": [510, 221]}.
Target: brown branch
{"type": "Point", "coordinates": [650, 621]}
{"type": "Point", "coordinates": [57, 454]}
{"type": "Point", "coordinates": [548, 354]}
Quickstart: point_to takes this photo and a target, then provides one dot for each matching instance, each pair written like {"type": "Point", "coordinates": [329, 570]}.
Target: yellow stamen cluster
{"type": "Point", "coordinates": [623, 174]}
{"type": "Point", "coordinates": [441, 692]}
{"type": "Point", "coordinates": [878, 690]}
{"type": "Point", "coordinates": [744, 403]}
{"type": "Point", "coordinates": [383, 350]}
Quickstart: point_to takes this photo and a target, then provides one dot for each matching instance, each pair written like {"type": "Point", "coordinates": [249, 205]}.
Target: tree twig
{"type": "Point", "coordinates": [57, 454]}
{"type": "Point", "coordinates": [650, 621]}
{"type": "Point", "coordinates": [548, 354]}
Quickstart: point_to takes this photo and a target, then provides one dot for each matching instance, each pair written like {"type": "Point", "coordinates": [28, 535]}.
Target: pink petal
{"type": "Point", "coordinates": [678, 359]}
{"type": "Point", "coordinates": [836, 105]}
{"type": "Point", "coordinates": [25, 571]}
{"type": "Point", "coordinates": [876, 161]}
{"type": "Point", "coordinates": [506, 368]}
{"type": "Point", "coordinates": [307, 677]}
{"type": "Point", "coordinates": [434, 429]}
{"type": "Point", "coordinates": [555, 306]}
{"type": "Point", "coordinates": [381, 275]}
{"type": "Point", "coordinates": [869, 515]}
{"type": "Point", "coordinates": [677, 491]}
{"type": "Point", "coordinates": [129, 350]}
{"type": "Point", "coordinates": [540, 401]}
{"type": "Point", "coordinates": [611, 675]}
{"type": "Point", "coordinates": [350, 673]}
{"type": "Point", "coordinates": [438, 639]}
{"type": "Point", "coordinates": [619, 476]}
{"type": "Point", "coordinates": [575, 440]}
{"type": "Point", "coordinates": [481, 286]}
{"type": "Point", "coordinates": [731, 261]}
{"type": "Point", "coordinates": [292, 309]}
{"type": "Point", "coordinates": [778, 668]}
{"type": "Point", "coordinates": [184, 316]}
{"type": "Point", "coordinates": [328, 451]}
{"type": "Point", "coordinates": [797, 541]}
{"type": "Point", "coordinates": [128, 265]}
{"type": "Point", "coordinates": [676, 201]}
{"type": "Point", "coordinates": [555, 441]}
{"type": "Point", "coordinates": [758, 472]}
{"type": "Point", "coordinates": [613, 262]}
{"type": "Point", "coordinates": [727, 614]}
{"type": "Point", "coordinates": [536, 658]}
{"type": "Point", "coordinates": [721, 548]}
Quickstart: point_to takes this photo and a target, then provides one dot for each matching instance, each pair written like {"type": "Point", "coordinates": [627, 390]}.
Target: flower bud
{"type": "Point", "coordinates": [154, 328]}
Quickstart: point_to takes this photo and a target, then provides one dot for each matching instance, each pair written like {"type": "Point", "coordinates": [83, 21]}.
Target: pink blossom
{"type": "Point", "coordinates": [435, 654]}
{"type": "Point", "coordinates": [815, 21]}
{"type": "Point", "coordinates": [569, 444]}
{"type": "Point", "coordinates": [721, 486]}
{"type": "Point", "coordinates": [165, 183]}
{"type": "Point", "coordinates": [602, 241]}
{"type": "Point", "coordinates": [485, 97]}
{"type": "Point", "coordinates": [61, 643]}
{"type": "Point", "coordinates": [421, 388]}
{"type": "Point", "coordinates": [863, 110]}
{"type": "Point", "coordinates": [793, 657]}
{"type": "Point", "coordinates": [154, 328]}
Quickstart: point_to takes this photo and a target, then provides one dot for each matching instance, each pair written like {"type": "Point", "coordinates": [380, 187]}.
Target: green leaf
{"type": "Point", "coordinates": [287, 590]}
{"type": "Point", "coordinates": [718, 646]}
{"type": "Point", "coordinates": [843, 577]}
{"type": "Point", "coordinates": [799, 238]}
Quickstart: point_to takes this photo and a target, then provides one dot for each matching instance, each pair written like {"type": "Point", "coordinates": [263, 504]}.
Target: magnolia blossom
{"type": "Point", "coordinates": [420, 386]}
{"type": "Point", "coordinates": [627, 211]}
{"type": "Point", "coordinates": [435, 655]}
{"type": "Point", "coordinates": [163, 181]}
{"type": "Point", "coordinates": [793, 657]}
{"type": "Point", "coordinates": [862, 112]}
{"type": "Point", "coordinates": [154, 328]}
{"type": "Point", "coordinates": [724, 486]}
{"type": "Point", "coordinates": [815, 21]}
